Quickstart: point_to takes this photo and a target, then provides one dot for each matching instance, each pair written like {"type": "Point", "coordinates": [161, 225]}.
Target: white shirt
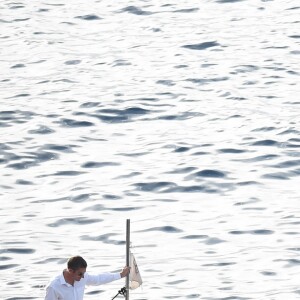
{"type": "Point", "coordinates": [59, 289]}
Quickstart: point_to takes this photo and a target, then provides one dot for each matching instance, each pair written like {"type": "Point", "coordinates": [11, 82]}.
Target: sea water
{"type": "Point", "coordinates": [182, 116]}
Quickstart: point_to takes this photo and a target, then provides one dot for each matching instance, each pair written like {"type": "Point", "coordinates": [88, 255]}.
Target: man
{"type": "Point", "coordinates": [71, 283]}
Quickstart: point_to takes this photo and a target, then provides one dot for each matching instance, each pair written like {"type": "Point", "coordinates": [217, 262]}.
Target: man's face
{"type": "Point", "coordinates": [78, 274]}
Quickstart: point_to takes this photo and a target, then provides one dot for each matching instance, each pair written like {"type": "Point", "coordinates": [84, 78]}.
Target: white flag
{"type": "Point", "coordinates": [134, 275]}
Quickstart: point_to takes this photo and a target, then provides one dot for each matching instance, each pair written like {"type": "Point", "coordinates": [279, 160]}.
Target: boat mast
{"type": "Point", "coordinates": [127, 255]}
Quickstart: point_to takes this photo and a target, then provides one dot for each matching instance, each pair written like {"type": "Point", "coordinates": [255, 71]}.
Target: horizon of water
{"type": "Point", "coordinates": [183, 117]}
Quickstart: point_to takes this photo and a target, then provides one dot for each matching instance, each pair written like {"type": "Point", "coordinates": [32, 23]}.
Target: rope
{"type": "Point", "coordinates": [122, 291]}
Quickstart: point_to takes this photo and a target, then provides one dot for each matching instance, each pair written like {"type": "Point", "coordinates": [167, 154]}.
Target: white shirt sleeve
{"type": "Point", "coordinates": [101, 278]}
{"type": "Point", "coordinates": [51, 294]}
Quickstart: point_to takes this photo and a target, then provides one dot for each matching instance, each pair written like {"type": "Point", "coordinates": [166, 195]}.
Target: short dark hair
{"type": "Point", "coordinates": [76, 262]}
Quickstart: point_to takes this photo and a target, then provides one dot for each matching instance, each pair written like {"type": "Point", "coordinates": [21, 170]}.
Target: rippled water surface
{"type": "Point", "coordinates": [180, 115]}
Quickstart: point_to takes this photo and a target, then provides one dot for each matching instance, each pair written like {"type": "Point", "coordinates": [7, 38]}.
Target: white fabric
{"type": "Point", "coordinates": [59, 289]}
{"type": "Point", "coordinates": [134, 275]}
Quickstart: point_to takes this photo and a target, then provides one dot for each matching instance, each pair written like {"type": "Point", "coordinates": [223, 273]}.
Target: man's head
{"type": "Point", "coordinates": [77, 267]}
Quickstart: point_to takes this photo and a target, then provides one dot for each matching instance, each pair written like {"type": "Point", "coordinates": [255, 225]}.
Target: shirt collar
{"type": "Point", "coordinates": [62, 280]}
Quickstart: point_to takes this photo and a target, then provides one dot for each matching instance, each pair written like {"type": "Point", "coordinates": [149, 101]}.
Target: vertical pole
{"type": "Point", "coordinates": [127, 255]}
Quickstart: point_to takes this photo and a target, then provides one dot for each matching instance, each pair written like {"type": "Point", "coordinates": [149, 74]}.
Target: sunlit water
{"type": "Point", "coordinates": [180, 115]}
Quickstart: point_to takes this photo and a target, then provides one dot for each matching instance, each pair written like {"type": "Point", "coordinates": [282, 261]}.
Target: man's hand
{"type": "Point", "coordinates": [125, 271]}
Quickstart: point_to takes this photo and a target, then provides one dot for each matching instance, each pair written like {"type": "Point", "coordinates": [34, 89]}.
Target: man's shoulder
{"type": "Point", "coordinates": [55, 281]}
